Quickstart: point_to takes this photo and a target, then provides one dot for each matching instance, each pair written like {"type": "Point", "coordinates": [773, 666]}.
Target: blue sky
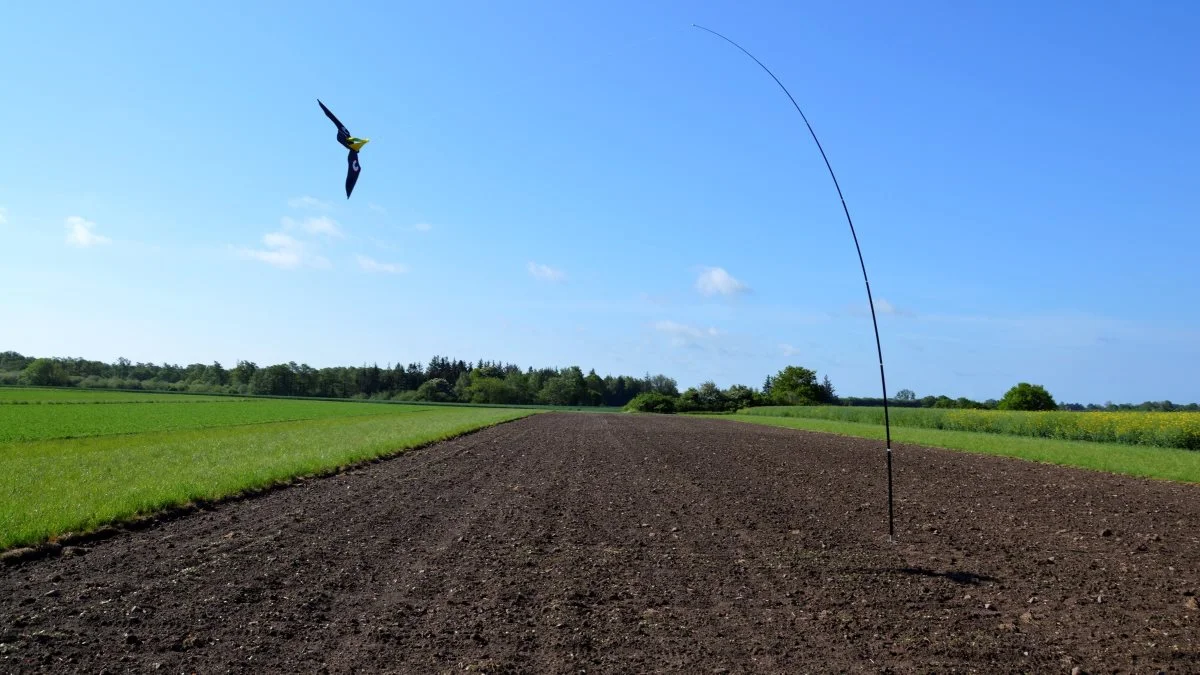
{"type": "Point", "coordinates": [554, 183]}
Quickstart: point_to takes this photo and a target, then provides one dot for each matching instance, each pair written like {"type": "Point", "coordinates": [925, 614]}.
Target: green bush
{"type": "Point", "coordinates": [1027, 396]}
{"type": "Point", "coordinates": [45, 373]}
{"type": "Point", "coordinates": [436, 389]}
{"type": "Point", "coordinates": [652, 402]}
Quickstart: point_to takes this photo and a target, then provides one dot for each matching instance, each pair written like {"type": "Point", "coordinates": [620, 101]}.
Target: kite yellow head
{"type": "Point", "coordinates": [357, 143]}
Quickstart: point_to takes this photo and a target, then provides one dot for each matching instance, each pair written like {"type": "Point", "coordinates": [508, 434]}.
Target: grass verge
{"type": "Point", "coordinates": [1131, 460]}
{"type": "Point", "coordinates": [52, 488]}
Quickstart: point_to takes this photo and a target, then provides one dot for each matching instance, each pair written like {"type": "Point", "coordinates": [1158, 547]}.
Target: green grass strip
{"type": "Point", "coordinates": [1130, 460]}
{"type": "Point", "coordinates": [53, 487]}
{"type": "Point", "coordinates": [32, 395]}
{"type": "Point", "coordinates": [44, 422]}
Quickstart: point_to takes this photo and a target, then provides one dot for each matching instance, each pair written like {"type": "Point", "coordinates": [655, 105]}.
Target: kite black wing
{"type": "Point", "coordinates": [343, 134]}
{"type": "Point", "coordinates": [352, 171]}
{"type": "Point", "coordinates": [341, 127]}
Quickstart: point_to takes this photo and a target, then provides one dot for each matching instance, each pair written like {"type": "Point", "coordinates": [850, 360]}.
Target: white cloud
{"type": "Point", "coordinates": [307, 202]}
{"type": "Point", "coordinates": [422, 227]}
{"type": "Point", "coordinates": [885, 306]}
{"type": "Point", "coordinates": [372, 265]}
{"type": "Point", "coordinates": [285, 252]}
{"type": "Point", "coordinates": [715, 280]}
{"type": "Point", "coordinates": [546, 273]}
{"type": "Point", "coordinates": [788, 350]}
{"type": "Point", "coordinates": [3, 215]}
{"type": "Point", "coordinates": [80, 233]}
{"type": "Point", "coordinates": [376, 208]}
{"type": "Point", "coordinates": [318, 225]}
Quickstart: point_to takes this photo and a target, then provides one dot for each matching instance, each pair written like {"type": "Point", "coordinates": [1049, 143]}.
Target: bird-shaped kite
{"type": "Point", "coordinates": [354, 144]}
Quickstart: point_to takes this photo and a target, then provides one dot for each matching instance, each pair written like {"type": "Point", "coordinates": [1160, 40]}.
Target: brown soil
{"type": "Point", "coordinates": [616, 543]}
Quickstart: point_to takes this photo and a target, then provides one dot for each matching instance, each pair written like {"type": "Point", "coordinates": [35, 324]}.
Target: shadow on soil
{"type": "Point", "coordinates": [966, 578]}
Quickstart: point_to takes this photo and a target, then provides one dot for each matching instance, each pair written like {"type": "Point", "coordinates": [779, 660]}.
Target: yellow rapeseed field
{"type": "Point", "coordinates": [1171, 429]}
{"type": "Point", "coordinates": [1166, 429]}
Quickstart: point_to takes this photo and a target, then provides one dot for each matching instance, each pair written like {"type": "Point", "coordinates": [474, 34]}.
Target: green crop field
{"type": "Point", "coordinates": [45, 395]}
{"type": "Point", "coordinates": [40, 422]}
{"type": "Point", "coordinates": [72, 468]}
{"type": "Point", "coordinates": [1164, 429]}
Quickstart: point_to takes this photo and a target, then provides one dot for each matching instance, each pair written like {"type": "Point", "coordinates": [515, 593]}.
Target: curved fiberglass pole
{"type": "Point", "coordinates": [879, 349]}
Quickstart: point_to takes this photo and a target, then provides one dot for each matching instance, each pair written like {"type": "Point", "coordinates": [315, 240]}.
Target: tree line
{"type": "Point", "coordinates": [441, 379]}
{"type": "Point", "coordinates": [449, 380]}
{"type": "Point", "coordinates": [1023, 396]}
{"type": "Point", "coordinates": [796, 385]}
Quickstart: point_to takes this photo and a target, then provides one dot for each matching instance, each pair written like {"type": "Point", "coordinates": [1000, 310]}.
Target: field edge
{"type": "Point", "coordinates": [1019, 447]}
{"type": "Point", "coordinates": [57, 544]}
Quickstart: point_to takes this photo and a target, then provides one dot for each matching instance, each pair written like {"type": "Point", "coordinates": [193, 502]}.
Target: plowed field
{"type": "Point", "coordinates": [618, 543]}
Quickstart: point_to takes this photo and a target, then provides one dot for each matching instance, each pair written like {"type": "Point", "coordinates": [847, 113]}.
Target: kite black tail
{"type": "Point", "coordinates": [352, 170]}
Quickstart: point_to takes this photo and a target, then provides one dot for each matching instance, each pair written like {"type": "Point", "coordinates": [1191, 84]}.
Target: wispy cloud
{"type": "Point", "coordinates": [716, 281]}
{"type": "Point", "coordinates": [546, 273]}
{"type": "Point", "coordinates": [788, 350]}
{"type": "Point", "coordinates": [372, 265]}
{"type": "Point", "coordinates": [675, 328]}
{"type": "Point", "coordinates": [3, 215]}
{"type": "Point", "coordinates": [307, 202]}
{"type": "Point", "coordinates": [882, 306]}
{"type": "Point", "coordinates": [659, 299]}
{"type": "Point", "coordinates": [285, 252]}
{"type": "Point", "coordinates": [316, 225]}
{"type": "Point", "coordinates": [683, 335]}
{"type": "Point", "coordinates": [422, 227]}
{"type": "Point", "coordinates": [80, 233]}
{"type": "Point", "coordinates": [885, 307]}
{"type": "Point", "coordinates": [382, 244]}
{"type": "Point", "coordinates": [377, 208]}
